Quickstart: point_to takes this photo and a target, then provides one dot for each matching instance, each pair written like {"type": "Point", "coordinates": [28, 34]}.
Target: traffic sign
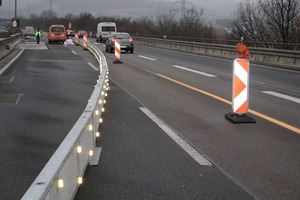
{"type": "Point", "coordinates": [14, 23]}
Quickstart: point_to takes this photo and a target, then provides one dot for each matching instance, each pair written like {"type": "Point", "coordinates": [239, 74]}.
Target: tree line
{"type": "Point", "coordinates": [267, 21]}
{"type": "Point", "coordinates": [259, 22]}
{"type": "Point", "coordinates": [192, 24]}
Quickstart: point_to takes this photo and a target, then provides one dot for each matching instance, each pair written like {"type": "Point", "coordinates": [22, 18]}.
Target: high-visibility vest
{"type": "Point", "coordinates": [38, 33]}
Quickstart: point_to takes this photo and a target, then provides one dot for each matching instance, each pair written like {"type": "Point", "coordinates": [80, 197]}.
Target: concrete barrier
{"type": "Point", "coordinates": [63, 173]}
{"type": "Point", "coordinates": [273, 57]}
{"type": "Point", "coordinates": [7, 44]}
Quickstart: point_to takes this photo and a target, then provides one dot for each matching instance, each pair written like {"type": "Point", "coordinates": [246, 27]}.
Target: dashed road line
{"type": "Point", "coordinates": [283, 96]}
{"type": "Point", "coordinates": [195, 71]}
{"type": "Point", "coordinates": [93, 66]}
{"type": "Point", "coordinates": [148, 58]}
{"type": "Point", "coordinates": [181, 142]}
{"type": "Point", "coordinates": [263, 116]}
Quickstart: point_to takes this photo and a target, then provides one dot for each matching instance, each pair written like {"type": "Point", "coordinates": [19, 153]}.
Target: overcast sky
{"type": "Point", "coordinates": [126, 8]}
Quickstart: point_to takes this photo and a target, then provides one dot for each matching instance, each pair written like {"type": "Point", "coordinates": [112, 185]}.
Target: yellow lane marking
{"type": "Point", "coordinates": [275, 121]}
{"type": "Point", "coordinates": [270, 119]}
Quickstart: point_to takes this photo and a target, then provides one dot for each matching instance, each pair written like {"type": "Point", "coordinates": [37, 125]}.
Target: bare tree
{"type": "Point", "coordinates": [192, 23]}
{"type": "Point", "coordinates": [246, 18]}
{"type": "Point", "coordinates": [281, 18]}
{"type": "Point", "coordinates": [46, 18]}
{"type": "Point", "coordinates": [83, 21]}
{"type": "Point", "coordinates": [165, 20]}
{"type": "Point", "coordinates": [143, 25]}
{"type": "Point", "coordinates": [267, 21]}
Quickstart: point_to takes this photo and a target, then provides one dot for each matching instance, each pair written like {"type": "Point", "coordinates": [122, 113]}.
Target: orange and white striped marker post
{"type": "Point", "coordinates": [240, 87]}
{"type": "Point", "coordinates": [76, 39]}
{"type": "Point", "coordinates": [117, 52]}
{"type": "Point", "coordinates": [85, 42]}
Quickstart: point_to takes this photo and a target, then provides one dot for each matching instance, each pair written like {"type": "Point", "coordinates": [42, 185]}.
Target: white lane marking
{"type": "Point", "coordinates": [194, 71]}
{"type": "Point", "coordinates": [282, 96]}
{"type": "Point", "coordinates": [148, 58]}
{"type": "Point", "coordinates": [19, 97]}
{"type": "Point", "coordinates": [93, 66]}
{"type": "Point", "coordinates": [11, 80]}
{"type": "Point", "coordinates": [182, 143]}
{"type": "Point", "coordinates": [74, 52]}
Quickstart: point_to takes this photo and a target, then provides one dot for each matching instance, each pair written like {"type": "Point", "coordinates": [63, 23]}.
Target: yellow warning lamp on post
{"type": "Point", "coordinates": [242, 50]}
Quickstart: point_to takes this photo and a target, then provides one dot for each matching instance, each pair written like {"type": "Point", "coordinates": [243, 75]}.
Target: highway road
{"type": "Point", "coordinates": [164, 134]}
{"type": "Point", "coordinates": [262, 158]}
{"type": "Point", "coordinates": [42, 95]}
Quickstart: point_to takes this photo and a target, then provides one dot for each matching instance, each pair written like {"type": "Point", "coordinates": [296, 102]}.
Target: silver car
{"type": "Point", "coordinates": [126, 42]}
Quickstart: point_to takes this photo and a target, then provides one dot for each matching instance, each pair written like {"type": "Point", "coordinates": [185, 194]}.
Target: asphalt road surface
{"type": "Point", "coordinates": [164, 134]}
{"type": "Point", "coordinates": [261, 158]}
{"type": "Point", "coordinates": [42, 95]}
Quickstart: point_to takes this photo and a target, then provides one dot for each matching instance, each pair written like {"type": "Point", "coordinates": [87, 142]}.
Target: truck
{"type": "Point", "coordinates": [103, 29]}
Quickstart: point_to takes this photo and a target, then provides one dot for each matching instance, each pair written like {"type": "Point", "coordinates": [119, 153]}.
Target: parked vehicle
{"type": "Point", "coordinates": [81, 33]}
{"type": "Point", "coordinates": [28, 31]}
{"type": "Point", "coordinates": [125, 39]}
{"type": "Point", "coordinates": [70, 33]}
{"type": "Point", "coordinates": [103, 29]}
{"type": "Point", "coordinates": [57, 33]}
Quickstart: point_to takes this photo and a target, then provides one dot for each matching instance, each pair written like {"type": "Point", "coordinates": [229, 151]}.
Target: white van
{"type": "Point", "coordinates": [103, 29]}
{"type": "Point", "coordinates": [28, 31]}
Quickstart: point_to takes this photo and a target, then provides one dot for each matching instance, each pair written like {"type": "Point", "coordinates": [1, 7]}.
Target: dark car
{"type": "Point", "coordinates": [125, 39]}
{"type": "Point", "coordinates": [81, 33]}
{"type": "Point", "coordinates": [70, 33]}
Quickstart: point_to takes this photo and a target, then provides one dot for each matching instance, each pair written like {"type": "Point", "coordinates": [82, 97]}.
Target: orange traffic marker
{"type": "Point", "coordinates": [240, 89]}
{"type": "Point", "coordinates": [117, 52]}
{"type": "Point", "coordinates": [240, 86]}
{"type": "Point", "coordinates": [85, 42]}
{"type": "Point", "coordinates": [76, 39]}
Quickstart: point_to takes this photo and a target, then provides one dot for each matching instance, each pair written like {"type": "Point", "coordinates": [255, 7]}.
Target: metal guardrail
{"type": "Point", "coordinates": [63, 173]}
{"type": "Point", "coordinates": [3, 33]}
{"type": "Point", "coordinates": [13, 40]}
{"type": "Point", "coordinates": [271, 45]}
{"type": "Point", "coordinates": [275, 57]}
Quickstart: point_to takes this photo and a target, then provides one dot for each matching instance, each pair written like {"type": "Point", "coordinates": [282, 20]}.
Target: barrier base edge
{"type": "Point", "coordinates": [236, 118]}
{"type": "Point", "coordinates": [96, 157]}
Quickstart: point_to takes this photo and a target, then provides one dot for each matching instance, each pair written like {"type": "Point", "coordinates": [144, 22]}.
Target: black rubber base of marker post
{"type": "Point", "coordinates": [117, 62]}
{"type": "Point", "coordinates": [238, 119]}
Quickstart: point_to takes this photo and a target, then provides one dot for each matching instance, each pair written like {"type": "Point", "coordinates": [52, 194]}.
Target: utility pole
{"type": "Point", "coordinates": [183, 4]}
{"type": "Point", "coordinates": [9, 9]}
{"type": "Point", "coordinates": [15, 9]}
{"type": "Point", "coordinates": [51, 5]}
{"type": "Point", "coordinates": [51, 2]}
